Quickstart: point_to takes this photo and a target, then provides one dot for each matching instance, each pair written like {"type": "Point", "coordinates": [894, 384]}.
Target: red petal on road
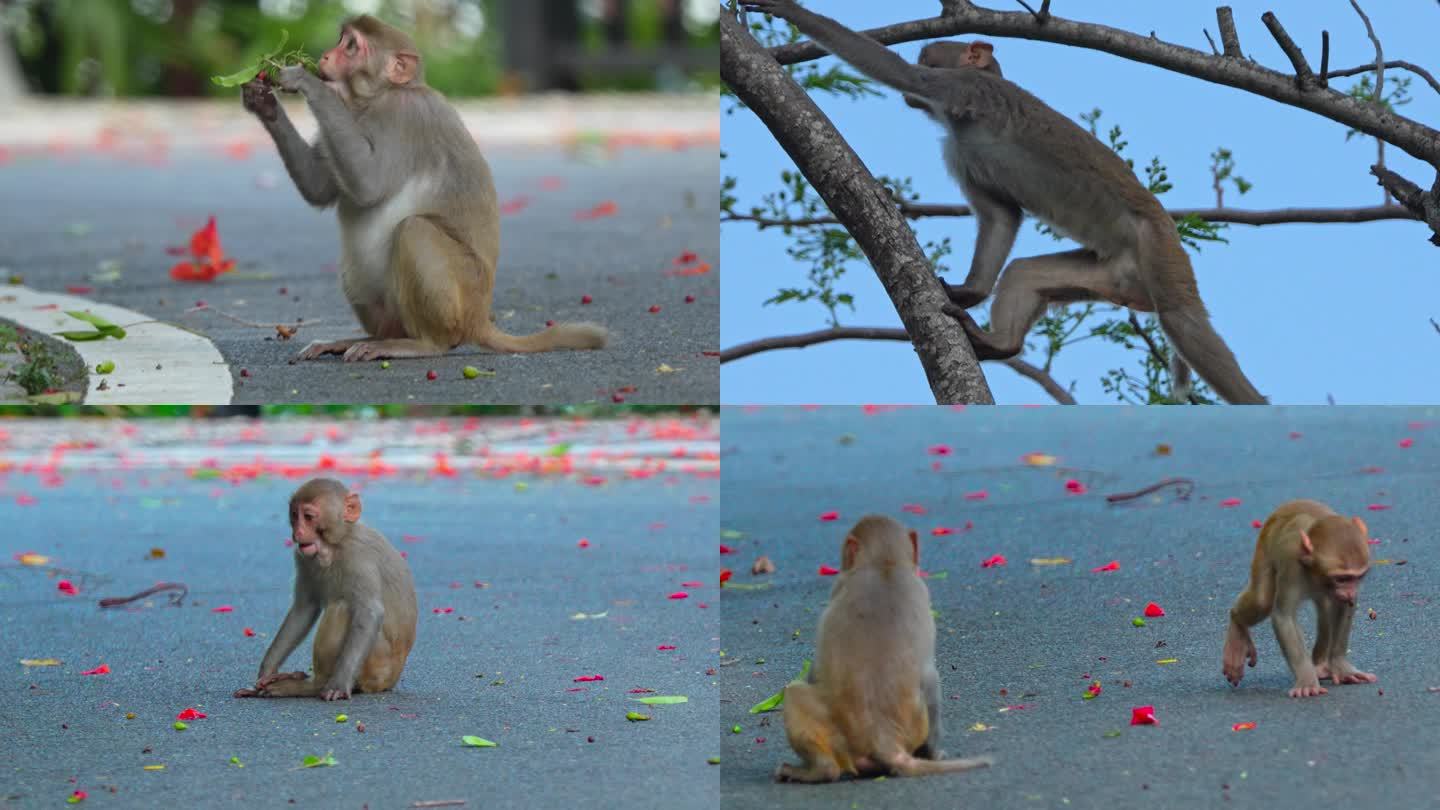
{"type": "Point", "coordinates": [1242, 726]}
{"type": "Point", "coordinates": [583, 543]}
{"type": "Point", "coordinates": [692, 584]}
{"type": "Point", "coordinates": [993, 561]}
{"type": "Point", "coordinates": [1229, 502]}
{"type": "Point", "coordinates": [190, 714]}
{"type": "Point", "coordinates": [25, 500]}
{"type": "Point", "coordinates": [222, 609]}
{"type": "Point", "coordinates": [665, 647]}
{"type": "Point", "coordinates": [514, 205]}
{"type": "Point", "coordinates": [79, 289]}
{"type": "Point", "coordinates": [939, 450]}
{"type": "Point", "coordinates": [249, 632]}
{"type": "Point", "coordinates": [724, 549]}
{"type": "Point", "coordinates": [1255, 524]}
{"type": "Point", "coordinates": [103, 669]}
{"type": "Point", "coordinates": [977, 496]}
{"type": "Point", "coordinates": [725, 574]}
{"type": "Point", "coordinates": [827, 571]}
{"type": "Point", "coordinates": [1113, 565]}
{"type": "Point", "coordinates": [1377, 507]}
{"type": "Point", "coordinates": [828, 516]}
{"type": "Point", "coordinates": [679, 595]}
{"type": "Point", "coordinates": [913, 508]}
{"type": "Point", "coordinates": [1407, 442]}
{"type": "Point", "coordinates": [1295, 434]}
{"type": "Point", "coordinates": [588, 678]}
{"type": "Point", "coordinates": [1075, 487]}
{"type": "Point", "coordinates": [442, 610]}
{"type": "Point", "coordinates": [1143, 716]}
{"type": "Point", "coordinates": [604, 209]}
{"type": "Point", "coordinates": [67, 587]}
{"type": "Point", "coordinates": [685, 258]}
{"type": "Point", "coordinates": [1153, 610]}
{"type": "Point", "coordinates": [941, 531]}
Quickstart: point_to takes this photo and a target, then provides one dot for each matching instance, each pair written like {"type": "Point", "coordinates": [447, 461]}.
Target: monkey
{"type": "Point", "coordinates": [419, 224]}
{"type": "Point", "coordinates": [871, 703]}
{"type": "Point", "coordinates": [1305, 550]}
{"type": "Point", "coordinates": [349, 577]}
{"type": "Point", "coordinates": [1010, 152]}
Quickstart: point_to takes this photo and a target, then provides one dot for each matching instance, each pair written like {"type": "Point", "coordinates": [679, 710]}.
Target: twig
{"type": "Point", "coordinates": [176, 599]}
{"type": "Point", "coordinates": [1234, 216]}
{"type": "Point", "coordinates": [1041, 16]}
{"type": "Point", "coordinates": [1154, 350]}
{"type": "Point", "coordinates": [1184, 485]}
{"type": "Point", "coordinates": [1324, 56]}
{"type": "Point", "coordinates": [1398, 64]}
{"type": "Point", "coordinates": [1436, 325]}
{"type": "Point", "coordinates": [1228, 35]}
{"type": "Point", "coordinates": [1213, 49]}
{"type": "Point", "coordinates": [799, 341]}
{"type": "Point", "coordinates": [1379, 52]}
{"type": "Point", "coordinates": [1304, 76]}
{"type": "Point", "coordinates": [252, 324]}
{"type": "Point", "coordinates": [439, 803]}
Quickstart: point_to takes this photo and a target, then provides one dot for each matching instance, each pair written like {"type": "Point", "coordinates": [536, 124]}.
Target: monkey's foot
{"type": "Point", "coordinates": [982, 341]}
{"type": "Point", "coordinates": [320, 348]}
{"type": "Point", "coordinates": [1307, 690]}
{"type": "Point", "coordinates": [815, 773]}
{"type": "Point", "coordinates": [279, 676]}
{"type": "Point", "coordinates": [330, 693]}
{"type": "Point", "coordinates": [397, 348]}
{"type": "Point", "coordinates": [1342, 672]}
{"type": "Point", "coordinates": [962, 297]}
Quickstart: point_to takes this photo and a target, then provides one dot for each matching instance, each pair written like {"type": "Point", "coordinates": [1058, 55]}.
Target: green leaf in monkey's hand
{"type": "Point", "coordinates": [269, 65]}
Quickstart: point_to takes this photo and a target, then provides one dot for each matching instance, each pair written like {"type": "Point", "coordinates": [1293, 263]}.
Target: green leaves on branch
{"type": "Point", "coordinates": [274, 60]}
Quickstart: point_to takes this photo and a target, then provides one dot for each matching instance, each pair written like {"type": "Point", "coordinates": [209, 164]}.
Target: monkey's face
{"type": "Point", "coordinates": [308, 525]}
{"type": "Point", "coordinates": [348, 55]}
{"type": "Point", "coordinates": [1339, 557]}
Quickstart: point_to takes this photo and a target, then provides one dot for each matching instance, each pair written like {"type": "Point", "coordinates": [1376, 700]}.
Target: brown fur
{"type": "Point", "coordinates": [419, 222]}
{"type": "Point", "coordinates": [871, 705]}
{"type": "Point", "coordinates": [360, 588]}
{"type": "Point", "coordinates": [1304, 550]}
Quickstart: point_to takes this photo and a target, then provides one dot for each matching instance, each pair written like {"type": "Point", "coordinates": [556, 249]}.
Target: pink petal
{"type": "Point", "coordinates": [67, 587]}
{"type": "Point", "coordinates": [977, 496]}
{"type": "Point", "coordinates": [1153, 610]}
{"type": "Point", "coordinates": [1075, 486]}
{"type": "Point", "coordinates": [679, 595]}
{"type": "Point", "coordinates": [666, 647]}
{"type": "Point", "coordinates": [941, 531]}
{"type": "Point", "coordinates": [827, 571]}
{"type": "Point", "coordinates": [829, 516]}
{"type": "Point", "coordinates": [1377, 507]}
{"type": "Point", "coordinates": [588, 678]}
{"type": "Point", "coordinates": [1113, 565]}
{"type": "Point", "coordinates": [1229, 502]}
{"type": "Point", "coordinates": [1406, 442]}
{"type": "Point", "coordinates": [939, 450]}
{"type": "Point", "coordinates": [993, 561]}
{"type": "Point", "coordinates": [1255, 524]}
{"type": "Point", "coordinates": [222, 609]}
{"type": "Point", "coordinates": [1143, 716]}
{"type": "Point", "coordinates": [913, 508]}
{"type": "Point", "coordinates": [103, 669]}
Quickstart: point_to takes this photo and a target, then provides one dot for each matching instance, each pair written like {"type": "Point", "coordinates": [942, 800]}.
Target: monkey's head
{"type": "Point", "coordinates": [949, 54]}
{"type": "Point", "coordinates": [321, 514]}
{"type": "Point", "coordinates": [880, 542]}
{"type": "Point", "coordinates": [1336, 554]}
{"type": "Point", "coordinates": [370, 58]}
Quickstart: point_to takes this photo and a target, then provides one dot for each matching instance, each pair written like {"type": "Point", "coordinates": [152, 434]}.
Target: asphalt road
{"type": "Point", "coordinates": [1036, 636]}
{"type": "Point", "coordinates": [501, 666]}
{"type": "Point", "coordinates": [80, 219]}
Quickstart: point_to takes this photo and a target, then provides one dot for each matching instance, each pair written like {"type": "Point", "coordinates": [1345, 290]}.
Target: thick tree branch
{"type": "Point", "coordinates": [866, 208]}
{"type": "Point", "coordinates": [1236, 216]}
{"type": "Point", "coordinates": [800, 341]}
{"type": "Point", "coordinates": [1304, 76]}
{"type": "Point", "coordinates": [1225, 18]}
{"type": "Point", "coordinates": [1417, 140]}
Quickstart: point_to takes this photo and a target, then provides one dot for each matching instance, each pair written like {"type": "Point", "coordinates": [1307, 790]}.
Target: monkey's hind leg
{"type": "Point", "coordinates": [425, 292]}
{"type": "Point", "coordinates": [811, 734]}
{"type": "Point", "coordinates": [1026, 287]}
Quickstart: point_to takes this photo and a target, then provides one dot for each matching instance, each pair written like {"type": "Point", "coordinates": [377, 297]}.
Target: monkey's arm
{"type": "Point", "coordinates": [865, 54]}
{"type": "Point", "coordinates": [304, 162]}
{"type": "Point", "coordinates": [293, 630]}
{"type": "Point", "coordinates": [1292, 640]}
{"type": "Point", "coordinates": [350, 151]}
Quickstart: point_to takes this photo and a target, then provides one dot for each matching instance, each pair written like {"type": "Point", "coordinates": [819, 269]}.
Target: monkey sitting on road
{"type": "Point", "coordinates": [419, 225]}
{"type": "Point", "coordinates": [871, 704]}
{"type": "Point", "coordinates": [349, 577]}
{"type": "Point", "coordinates": [1010, 153]}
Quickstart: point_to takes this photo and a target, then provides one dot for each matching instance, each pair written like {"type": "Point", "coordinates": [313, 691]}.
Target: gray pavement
{"type": "Point", "coordinates": [501, 666]}
{"type": "Point", "coordinates": [1042, 633]}
{"type": "Point", "coordinates": [101, 220]}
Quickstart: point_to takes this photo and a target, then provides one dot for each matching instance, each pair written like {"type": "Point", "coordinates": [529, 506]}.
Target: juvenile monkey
{"type": "Point", "coordinates": [419, 226]}
{"type": "Point", "coordinates": [349, 577]}
{"type": "Point", "coordinates": [871, 704]}
{"type": "Point", "coordinates": [1305, 550]}
{"type": "Point", "coordinates": [1010, 153]}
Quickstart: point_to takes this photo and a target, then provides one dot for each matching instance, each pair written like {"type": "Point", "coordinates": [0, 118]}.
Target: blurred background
{"type": "Point", "coordinates": [128, 48]}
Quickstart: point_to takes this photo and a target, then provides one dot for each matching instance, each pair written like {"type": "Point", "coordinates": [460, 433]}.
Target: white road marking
{"type": "Point", "coordinates": [155, 362]}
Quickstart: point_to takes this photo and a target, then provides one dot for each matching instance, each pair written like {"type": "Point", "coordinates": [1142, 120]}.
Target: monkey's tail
{"type": "Point", "coordinates": [1192, 335]}
{"type": "Point", "coordinates": [907, 765]}
{"type": "Point", "coordinates": [560, 336]}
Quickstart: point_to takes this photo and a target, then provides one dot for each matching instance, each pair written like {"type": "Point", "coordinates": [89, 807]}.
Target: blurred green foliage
{"type": "Point", "coordinates": [343, 411]}
{"type": "Point", "coordinates": [172, 47]}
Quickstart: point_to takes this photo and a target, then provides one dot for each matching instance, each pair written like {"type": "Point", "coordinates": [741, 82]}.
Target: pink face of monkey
{"type": "Point", "coordinates": [348, 55]}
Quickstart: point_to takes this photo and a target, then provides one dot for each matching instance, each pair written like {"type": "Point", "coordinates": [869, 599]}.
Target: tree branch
{"type": "Point", "coordinates": [863, 205]}
{"type": "Point", "coordinates": [1393, 63]}
{"type": "Point", "coordinates": [1225, 18]}
{"type": "Point", "coordinates": [800, 341]}
{"type": "Point", "coordinates": [1304, 76]}
{"type": "Point", "coordinates": [1237, 216]}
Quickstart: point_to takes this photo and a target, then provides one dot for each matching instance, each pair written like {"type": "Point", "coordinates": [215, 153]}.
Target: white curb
{"type": "Point", "coordinates": [155, 363]}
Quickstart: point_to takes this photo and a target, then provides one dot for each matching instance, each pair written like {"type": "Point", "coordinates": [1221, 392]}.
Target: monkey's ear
{"type": "Point", "coordinates": [849, 552]}
{"type": "Point", "coordinates": [402, 67]}
{"type": "Point", "coordinates": [915, 546]}
{"type": "Point", "coordinates": [980, 54]}
{"type": "Point", "coordinates": [1360, 524]}
{"type": "Point", "coordinates": [1307, 548]}
{"type": "Point", "coordinates": [352, 507]}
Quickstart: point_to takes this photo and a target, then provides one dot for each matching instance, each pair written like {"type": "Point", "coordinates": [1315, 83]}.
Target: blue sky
{"type": "Point", "coordinates": [1309, 310]}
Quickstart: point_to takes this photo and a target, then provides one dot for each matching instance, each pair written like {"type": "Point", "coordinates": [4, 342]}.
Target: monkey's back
{"type": "Point", "coordinates": [876, 643]}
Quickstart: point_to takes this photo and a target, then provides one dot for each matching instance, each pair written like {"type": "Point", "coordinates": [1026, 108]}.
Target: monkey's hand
{"type": "Point", "coordinates": [265, 680]}
{"type": "Point", "coordinates": [335, 692]}
{"type": "Point", "coordinates": [258, 99]}
{"type": "Point", "coordinates": [295, 78]}
{"type": "Point", "coordinates": [775, 8]}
